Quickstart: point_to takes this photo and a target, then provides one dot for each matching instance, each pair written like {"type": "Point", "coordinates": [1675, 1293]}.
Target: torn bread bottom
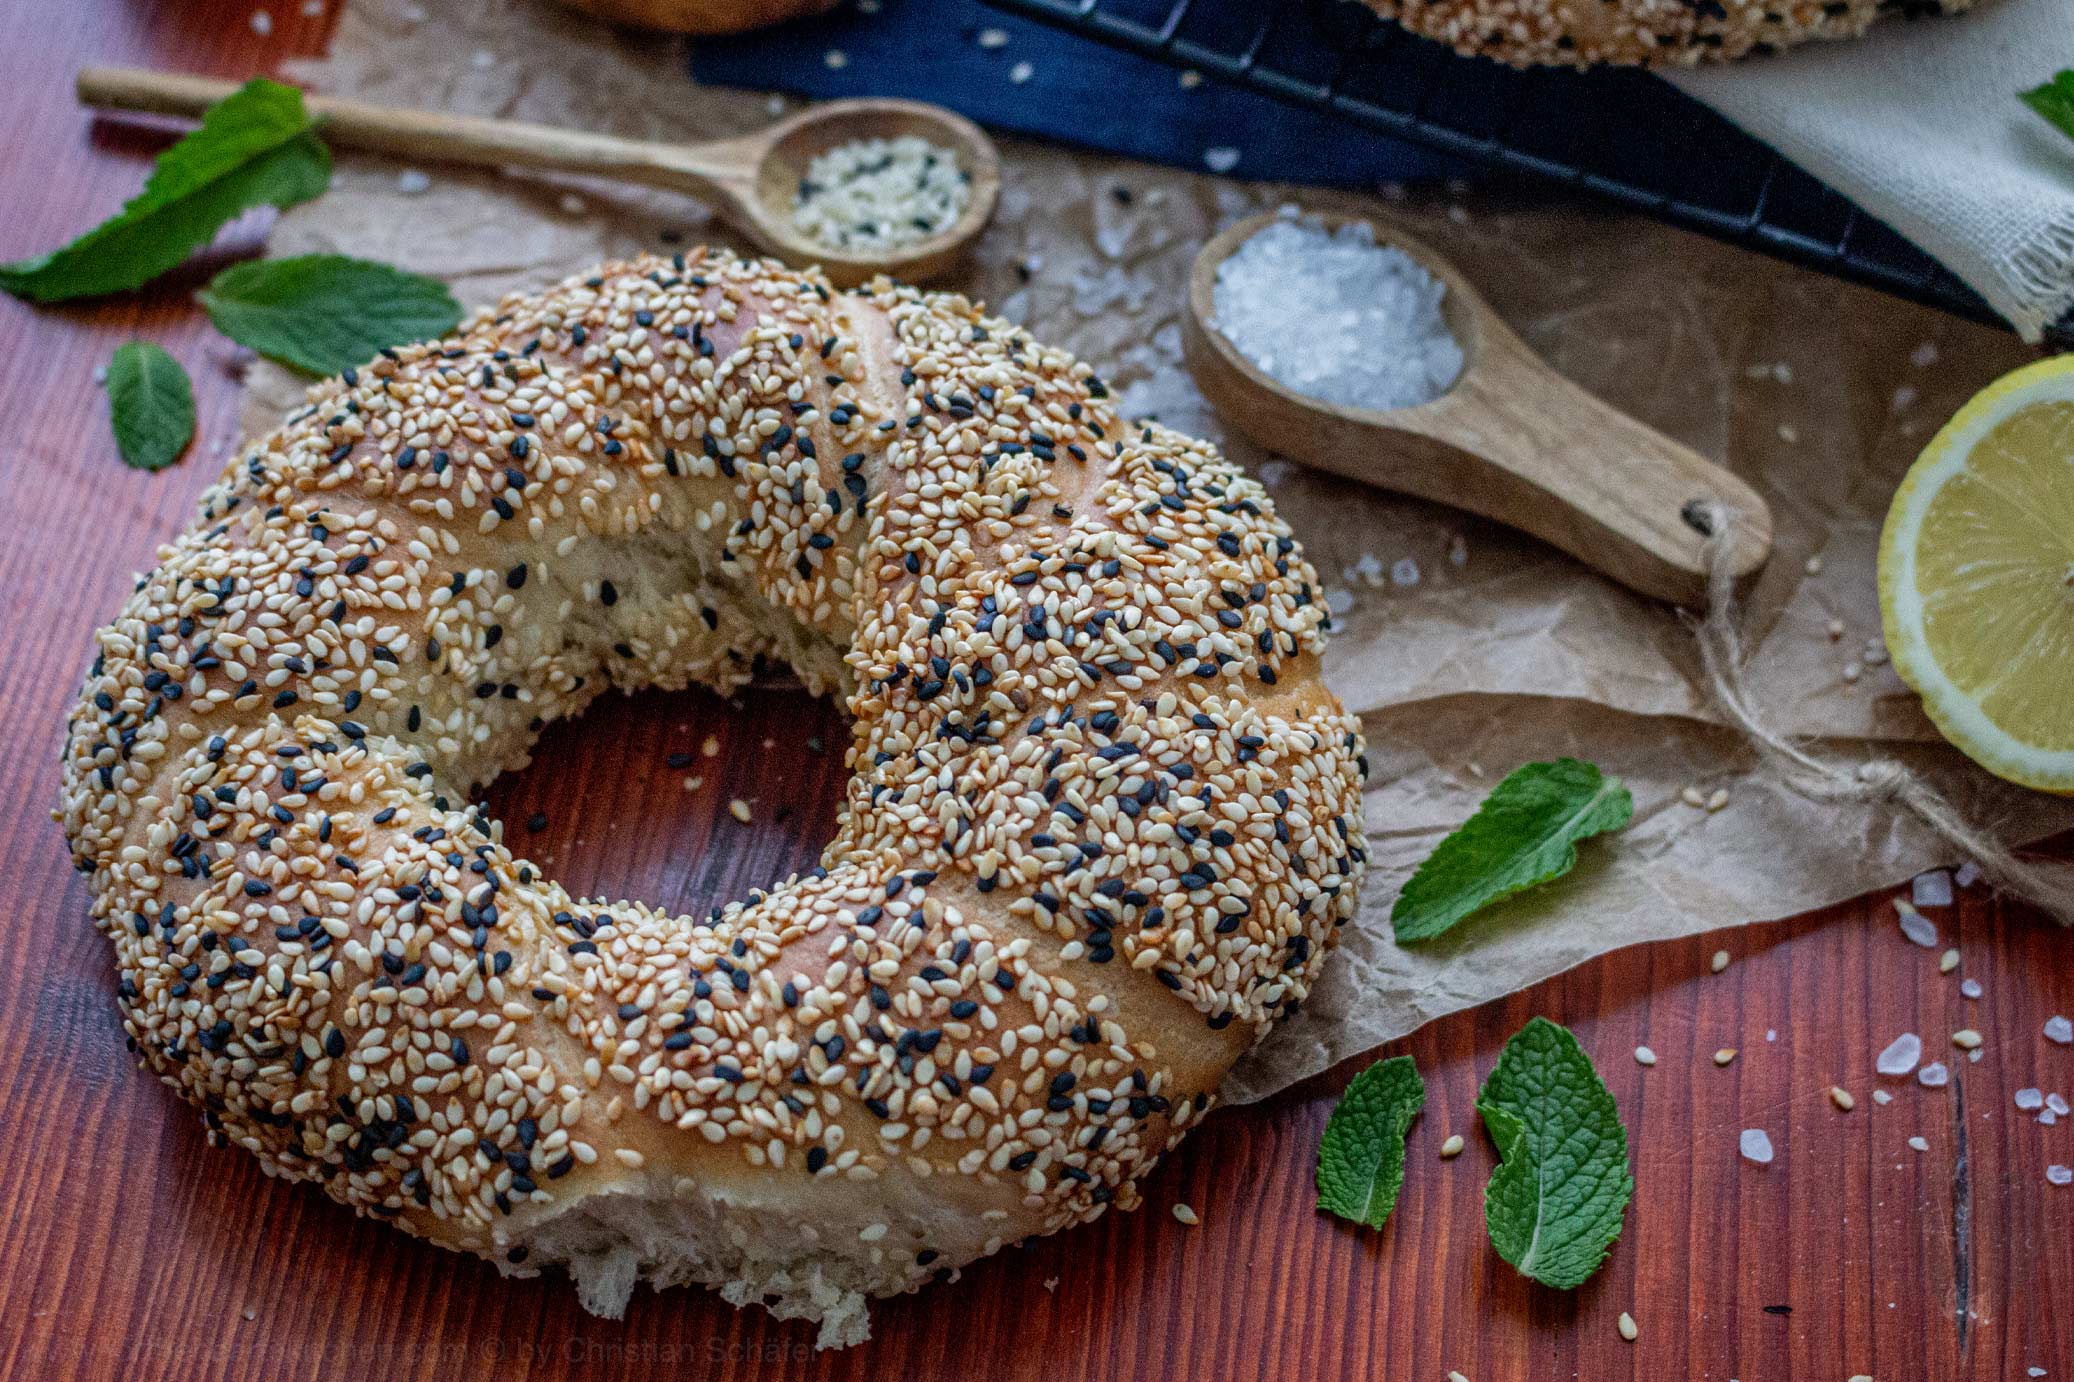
{"type": "Point", "coordinates": [812, 1261]}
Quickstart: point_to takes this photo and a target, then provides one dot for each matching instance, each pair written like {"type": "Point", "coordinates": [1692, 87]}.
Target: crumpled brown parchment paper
{"type": "Point", "coordinates": [1498, 650]}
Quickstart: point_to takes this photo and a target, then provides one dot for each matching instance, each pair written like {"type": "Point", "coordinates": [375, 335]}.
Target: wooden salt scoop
{"type": "Point", "coordinates": [1512, 440]}
{"type": "Point", "coordinates": [750, 181]}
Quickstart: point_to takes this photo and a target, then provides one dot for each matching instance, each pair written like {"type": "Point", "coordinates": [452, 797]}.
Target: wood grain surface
{"type": "Point", "coordinates": [131, 1249]}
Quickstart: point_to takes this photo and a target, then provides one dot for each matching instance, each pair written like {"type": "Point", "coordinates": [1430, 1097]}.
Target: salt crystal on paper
{"type": "Point", "coordinates": [1901, 1055]}
{"type": "Point", "coordinates": [1337, 316]}
{"type": "Point", "coordinates": [262, 23]}
{"type": "Point", "coordinates": [2059, 1175]}
{"type": "Point", "coordinates": [2029, 1099]}
{"type": "Point", "coordinates": [1338, 601]}
{"type": "Point", "coordinates": [1021, 73]}
{"type": "Point", "coordinates": [2047, 1118]}
{"type": "Point", "coordinates": [1967, 875]}
{"type": "Point", "coordinates": [2059, 1029]}
{"type": "Point", "coordinates": [1970, 988]}
{"type": "Point", "coordinates": [993, 38]}
{"type": "Point", "coordinates": [412, 181]}
{"type": "Point", "coordinates": [1882, 1097]}
{"type": "Point", "coordinates": [1914, 925]}
{"type": "Point", "coordinates": [1933, 1075]}
{"type": "Point", "coordinates": [2056, 1104]}
{"type": "Point", "coordinates": [1222, 159]}
{"type": "Point", "coordinates": [1933, 889]}
{"type": "Point", "coordinates": [1921, 1144]}
{"type": "Point", "coordinates": [1757, 1146]}
{"type": "Point", "coordinates": [1404, 572]}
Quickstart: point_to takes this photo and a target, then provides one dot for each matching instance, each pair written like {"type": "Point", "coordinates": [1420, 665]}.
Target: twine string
{"type": "Point", "coordinates": [1876, 781]}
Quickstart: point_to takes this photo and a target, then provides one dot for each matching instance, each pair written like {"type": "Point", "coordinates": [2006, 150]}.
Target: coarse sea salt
{"type": "Point", "coordinates": [2059, 1029]}
{"type": "Point", "coordinates": [2057, 1104]}
{"type": "Point", "coordinates": [1336, 316]}
{"type": "Point", "coordinates": [1757, 1146]}
{"type": "Point", "coordinates": [2030, 1100]}
{"type": "Point", "coordinates": [1918, 928]}
{"type": "Point", "coordinates": [1932, 889]}
{"type": "Point", "coordinates": [1933, 1075]}
{"type": "Point", "coordinates": [1901, 1055]}
{"type": "Point", "coordinates": [2059, 1175]}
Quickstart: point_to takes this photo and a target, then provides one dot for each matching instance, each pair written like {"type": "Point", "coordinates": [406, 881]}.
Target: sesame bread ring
{"type": "Point", "coordinates": [1103, 823]}
{"type": "Point", "coordinates": [1648, 33]}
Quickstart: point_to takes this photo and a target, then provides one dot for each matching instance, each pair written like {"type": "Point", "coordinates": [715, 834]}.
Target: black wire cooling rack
{"type": "Point", "coordinates": [1619, 133]}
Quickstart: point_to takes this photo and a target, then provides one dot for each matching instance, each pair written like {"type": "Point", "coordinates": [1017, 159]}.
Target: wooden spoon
{"type": "Point", "coordinates": [1512, 440]}
{"type": "Point", "coordinates": [750, 181]}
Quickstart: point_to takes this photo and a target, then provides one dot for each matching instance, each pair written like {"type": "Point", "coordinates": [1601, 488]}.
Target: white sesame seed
{"type": "Point", "coordinates": [1645, 1056]}
{"type": "Point", "coordinates": [1186, 1215]}
{"type": "Point", "coordinates": [1627, 1326]}
{"type": "Point", "coordinates": [1453, 1146]}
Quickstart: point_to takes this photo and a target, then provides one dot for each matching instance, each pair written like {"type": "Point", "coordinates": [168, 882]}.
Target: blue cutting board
{"type": "Point", "coordinates": [1076, 93]}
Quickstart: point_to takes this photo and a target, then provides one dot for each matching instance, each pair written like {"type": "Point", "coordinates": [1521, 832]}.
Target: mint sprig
{"type": "Point", "coordinates": [1526, 832]}
{"type": "Point", "coordinates": [256, 147]}
{"type": "Point", "coordinates": [326, 312]}
{"type": "Point", "coordinates": [1361, 1157]}
{"type": "Point", "coordinates": [2054, 101]}
{"type": "Point", "coordinates": [1555, 1204]}
{"type": "Point", "coordinates": [150, 404]}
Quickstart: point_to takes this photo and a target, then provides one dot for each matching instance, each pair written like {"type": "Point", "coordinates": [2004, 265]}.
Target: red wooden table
{"type": "Point", "coordinates": [131, 1249]}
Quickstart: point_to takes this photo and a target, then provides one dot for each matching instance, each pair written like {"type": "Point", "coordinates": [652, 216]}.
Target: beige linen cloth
{"type": "Point", "coordinates": [1466, 648]}
{"type": "Point", "coordinates": [1920, 125]}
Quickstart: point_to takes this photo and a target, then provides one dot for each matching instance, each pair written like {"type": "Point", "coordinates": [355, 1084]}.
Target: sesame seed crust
{"type": "Point", "coordinates": [1102, 827]}
{"type": "Point", "coordinates": [1648, 33]}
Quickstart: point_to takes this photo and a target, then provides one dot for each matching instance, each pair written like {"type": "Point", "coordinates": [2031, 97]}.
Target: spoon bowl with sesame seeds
{"type": "Point", "coordinates": [907, 186]}
{"type": "Point", "coordinates": [1500, 432]}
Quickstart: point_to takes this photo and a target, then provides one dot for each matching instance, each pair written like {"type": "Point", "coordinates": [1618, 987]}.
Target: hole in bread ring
{"type": "Point", "coordinates": [1101, 824]}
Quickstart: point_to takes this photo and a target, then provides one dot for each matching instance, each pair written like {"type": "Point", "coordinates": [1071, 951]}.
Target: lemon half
{"type": "Point", "coordinates": [1977, 577]}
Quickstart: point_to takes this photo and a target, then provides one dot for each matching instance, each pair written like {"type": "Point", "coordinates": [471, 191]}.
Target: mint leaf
{"type": "Point", "coordinates": [1361, 1158]}
{"type": "Point", "coordinates": [1555, 1203]}
{"type": "Point", "coordinates": [255, 147]}
{"type": "Point", "coordinates": [1526, 832]}
{"type": "Point", "coordinates": [150, 404]}
{"type": "Point", "coordinates": [325, 312]}
{"type": "Point", "coordinates": [2054, 101]}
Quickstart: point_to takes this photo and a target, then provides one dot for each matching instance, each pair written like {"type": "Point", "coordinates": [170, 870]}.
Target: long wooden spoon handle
{"type": "Point", "coordinates": [1572, 469]}
{"type": "Point", "coordinates": [448, 138]}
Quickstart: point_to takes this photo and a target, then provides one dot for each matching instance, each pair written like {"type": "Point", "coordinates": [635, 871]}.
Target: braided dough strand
{"type": "Point", "coordinates": [1103, 822]}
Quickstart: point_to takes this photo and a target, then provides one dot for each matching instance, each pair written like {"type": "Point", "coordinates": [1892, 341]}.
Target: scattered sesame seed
{"type": "Point", "coordinates": [1725, 1055]}
{"type": "Point", "coordinates": [1841, 1097]}
{"type": "Point", "coordinates": [1186, 1215]}
{"type": "Point", "coordinates": [1966, 1039]}
{"type": "Point", "coordinates": [993, 38]}
{"type": "Point", "coordinates": [1627, 1326]}
{"type": "Point", "coordinates": [1719, 961]}
{"type": "Point", "coordinates": [1718, 800]}
{"type": "Point", "coordinates": [1221, 158]}
{"type": "Point", "coordinates": [1452, 1147]}
{"type": "Point", "coordinates": [1948, 961]}
{"type": "Point", "coordinates": [1921, 1144]}
{"type": "Point", "coordinates": [739, 809]}
{"type": "Point", "coordinates": [1021, 72]}
{"type": "Point", "coordinates": [1814, 566]}
{"type": "Point", "coordinates": [1190, 79]}
{"type": "Point", "coordinates": [1645, 1056]}
{"type": "Point", "coordinates": [262, 23]}
{"type": "Point", "coordinates": [835, 59]}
